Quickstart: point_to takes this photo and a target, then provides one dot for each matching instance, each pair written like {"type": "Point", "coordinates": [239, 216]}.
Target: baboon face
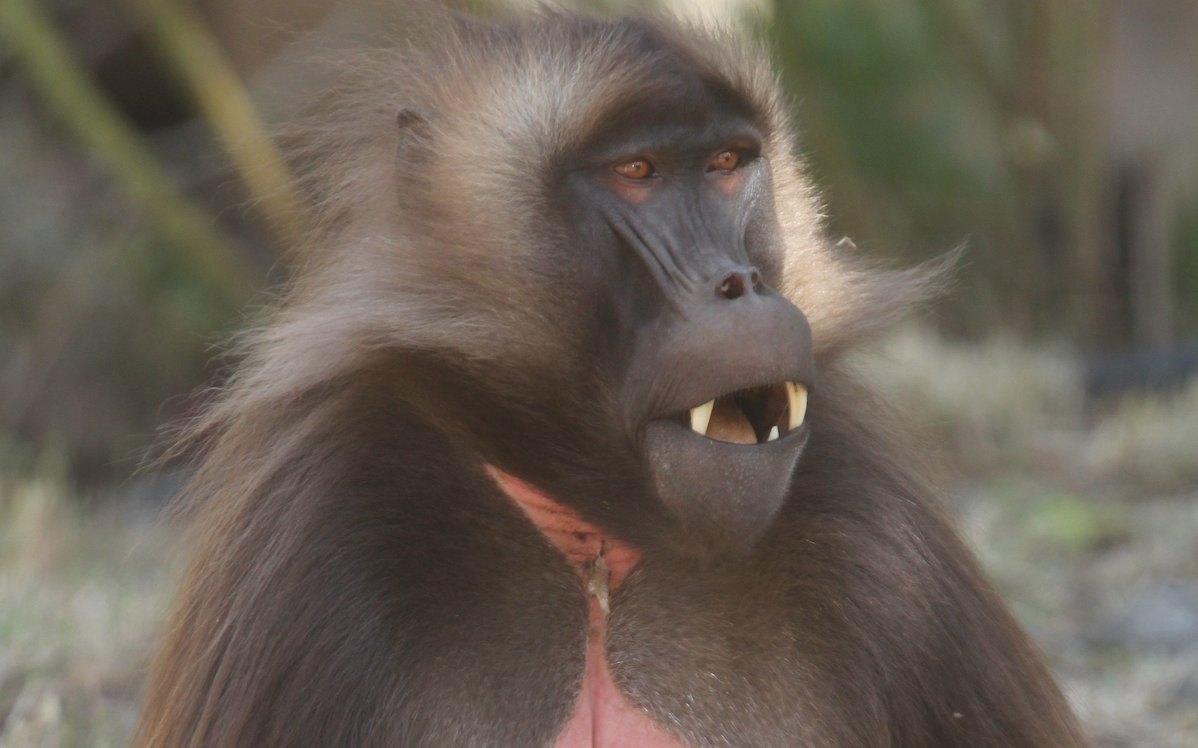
{"type": "Point", "coordinates": [662, 250]}
{"type": "Point", "coordinates": [673, 205]}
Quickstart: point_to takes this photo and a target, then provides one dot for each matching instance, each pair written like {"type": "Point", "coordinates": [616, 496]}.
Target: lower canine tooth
{"type": "Point", "coordinates": [773, 434]}
{"type": "Point", "coordinates": [701, 416]}
{"type": "Point", "coordinates": [797, 395]}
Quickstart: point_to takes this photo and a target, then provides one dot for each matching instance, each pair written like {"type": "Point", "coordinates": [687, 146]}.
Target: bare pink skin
{"type": "Point", "coordinates": [602, 716]}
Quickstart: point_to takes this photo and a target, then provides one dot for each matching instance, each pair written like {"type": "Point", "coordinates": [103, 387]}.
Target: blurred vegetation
{"type": "Point", "coordinates": [931, 122]}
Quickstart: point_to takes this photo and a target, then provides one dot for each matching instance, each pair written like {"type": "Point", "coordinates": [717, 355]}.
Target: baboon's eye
{"type": "Point", "coordinates": [637, 168]}
{"type": "Point", "coordinates": [724, 161]}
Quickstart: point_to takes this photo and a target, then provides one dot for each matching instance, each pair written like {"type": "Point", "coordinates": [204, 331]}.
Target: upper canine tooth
{"type": "Point", "coordinates": [701, 416]}
{"type": "Point", "coordinates": [797, 395]}
{"type": "Point", "coordinates": [773, 434]}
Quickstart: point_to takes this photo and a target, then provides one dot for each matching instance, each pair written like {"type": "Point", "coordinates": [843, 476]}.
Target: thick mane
{"type": "Point", "coordinates": [468, 308]}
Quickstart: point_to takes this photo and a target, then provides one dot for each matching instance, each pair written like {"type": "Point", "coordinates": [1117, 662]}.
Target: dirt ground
{"type": "Point", "coordinates": [1085, 514]}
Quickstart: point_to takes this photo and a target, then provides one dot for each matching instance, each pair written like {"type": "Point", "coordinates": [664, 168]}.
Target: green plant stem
{"type": "Point", "coordinates": [199, 63]}
{"type": "Point", "coordinates": [67, 91]}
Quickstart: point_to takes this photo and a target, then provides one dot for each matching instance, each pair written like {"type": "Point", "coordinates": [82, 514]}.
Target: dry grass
{"type": "Point", "coordinates": [81, 596]}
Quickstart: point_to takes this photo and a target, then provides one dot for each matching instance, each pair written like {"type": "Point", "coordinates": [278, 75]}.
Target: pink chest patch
{"type": "Point", "coordinates": [603, 717]}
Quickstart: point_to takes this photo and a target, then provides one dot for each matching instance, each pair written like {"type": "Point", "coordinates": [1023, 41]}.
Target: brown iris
{"type": "Point", "coordinates": [637, 168]}
{"type": "Point", "coordinates": [724, 161]}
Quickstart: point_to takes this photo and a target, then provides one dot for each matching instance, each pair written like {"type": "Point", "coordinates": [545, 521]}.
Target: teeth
{"type": "Point", "coordinates": [797, 395]}
{"type": "Point", "coordinates": [701, 416]}
{"type": "Point", "coordinates": [721, 419]}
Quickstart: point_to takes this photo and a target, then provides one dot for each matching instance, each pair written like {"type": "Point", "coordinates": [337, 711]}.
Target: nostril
{"type": "Point", "coordinates": [737, 283]}
{"type": "Point", "coordinates": [733, 286]}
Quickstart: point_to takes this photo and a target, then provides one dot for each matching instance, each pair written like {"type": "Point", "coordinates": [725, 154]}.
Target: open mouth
{"type": "Point", "coordinates": [755, 415]}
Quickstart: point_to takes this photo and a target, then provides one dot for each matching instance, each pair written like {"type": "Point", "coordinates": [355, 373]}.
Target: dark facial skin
{"type": "Point", "coordinates": [674, 207]}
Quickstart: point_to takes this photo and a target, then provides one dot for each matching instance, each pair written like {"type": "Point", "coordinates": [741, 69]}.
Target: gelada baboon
{"type": "Point", "coordinates": [551, 443]}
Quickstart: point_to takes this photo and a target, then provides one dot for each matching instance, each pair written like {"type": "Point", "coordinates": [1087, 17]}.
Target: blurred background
{"type": "Point", "coordinates": [145, 217]}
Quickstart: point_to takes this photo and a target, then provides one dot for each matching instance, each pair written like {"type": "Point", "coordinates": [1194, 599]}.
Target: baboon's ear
{"type": "Point", "coordinates": [409, 117]}
{"type": "Point", "coordinates": [415, 135]}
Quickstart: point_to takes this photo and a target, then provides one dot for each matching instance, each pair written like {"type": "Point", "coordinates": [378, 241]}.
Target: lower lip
{"type": "Point", "coordinates": [728, 493]}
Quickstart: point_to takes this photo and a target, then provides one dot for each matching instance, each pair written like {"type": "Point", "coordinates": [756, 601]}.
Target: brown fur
{"type": "Point", "coordinates": [357, 580]}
